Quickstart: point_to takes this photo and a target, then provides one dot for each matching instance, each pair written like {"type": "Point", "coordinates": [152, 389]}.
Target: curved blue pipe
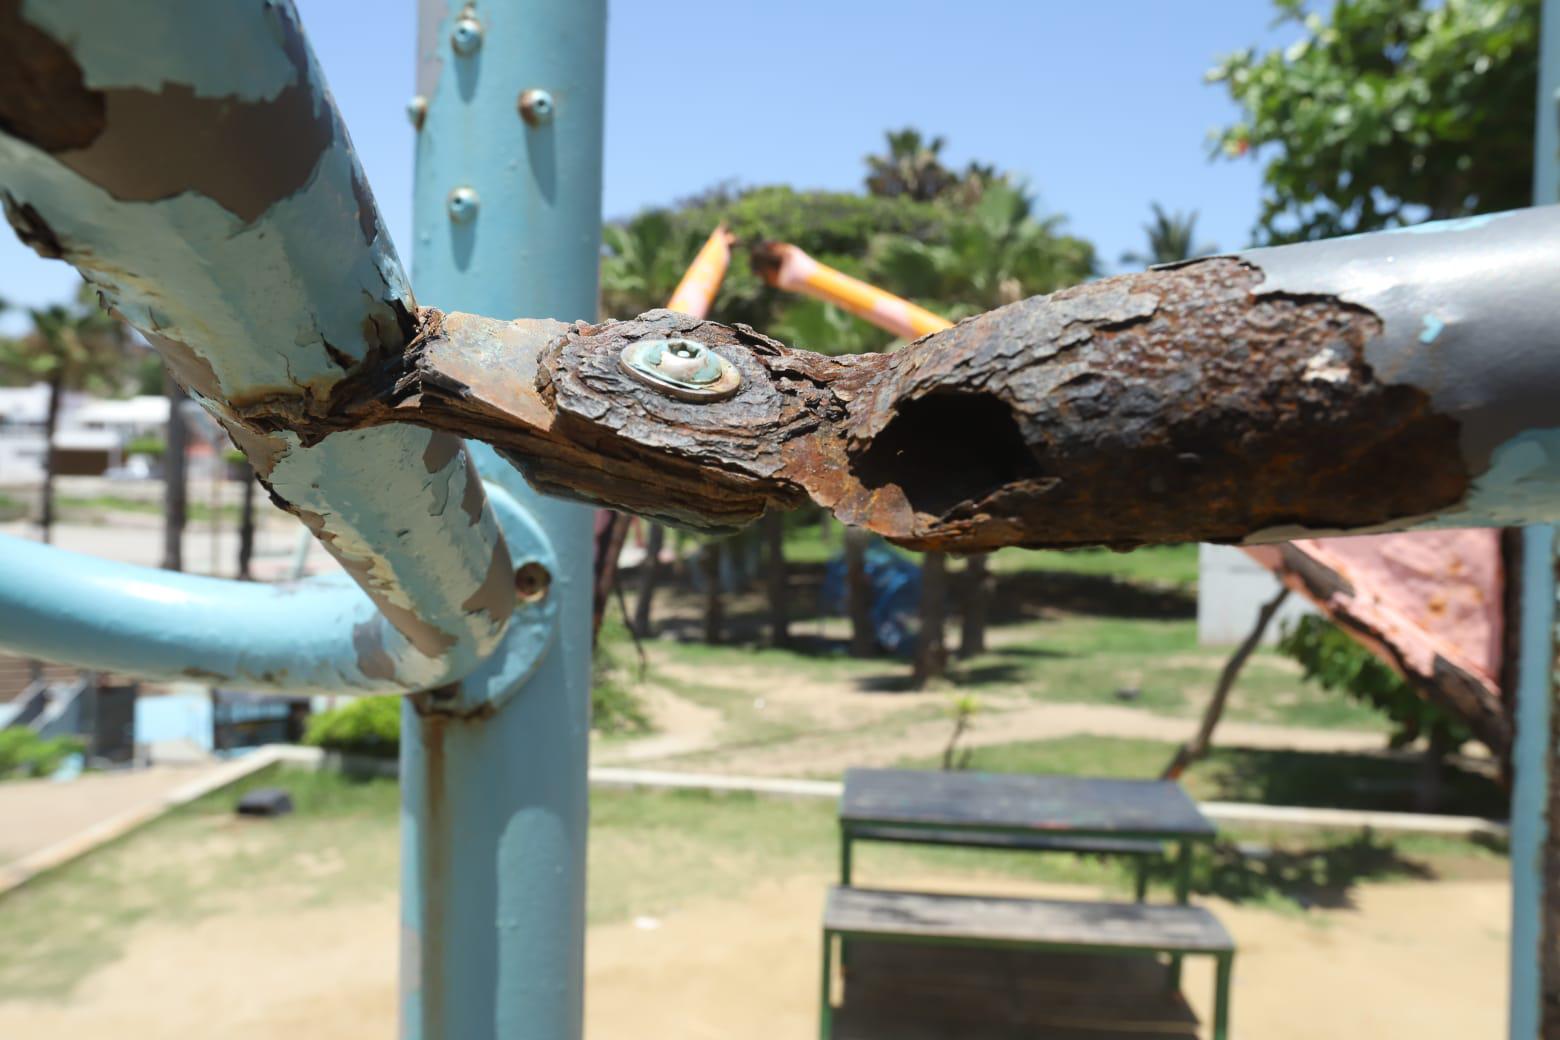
{"type": "Point", "coordinates": [154, 624]}
{"type": "Point", "coordinates": [317, 635]}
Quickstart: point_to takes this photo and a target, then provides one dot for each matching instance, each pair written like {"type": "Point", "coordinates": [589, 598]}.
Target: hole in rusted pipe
{"type": "Point", "coordinates": [532, 580]}
{"type": "Point", "coordinates": [946, 448]}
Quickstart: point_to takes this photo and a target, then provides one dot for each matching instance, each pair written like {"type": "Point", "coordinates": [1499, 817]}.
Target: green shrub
{"type": "Point", "coordinates": [614, 707]}
{"type": "Point", "coordinates": [148, 444]}
{"type": "Point", "coordinates": [366, 726]}
{"type": "Point", "coordinates": [24, 754]}
{"type": "Point", "coordinates": [1333, 658]}
{"type": "Point", "coordinates": [372, 725]}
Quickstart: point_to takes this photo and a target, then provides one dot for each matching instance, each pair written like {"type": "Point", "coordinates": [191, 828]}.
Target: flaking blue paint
{"type": "Point", "coordinates": [156, 624]}
{"type": "Point", "coordinates": [258, 302]}
{"type": "Point", "coordinates": [1521, 486]}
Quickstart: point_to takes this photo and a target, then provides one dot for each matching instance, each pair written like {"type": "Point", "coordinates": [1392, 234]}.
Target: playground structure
{"type": "Point", "coordinates": [191, 164]}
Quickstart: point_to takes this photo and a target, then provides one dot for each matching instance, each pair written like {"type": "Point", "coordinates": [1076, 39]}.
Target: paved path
{"type": "Point", "coordinates": [37, 814]}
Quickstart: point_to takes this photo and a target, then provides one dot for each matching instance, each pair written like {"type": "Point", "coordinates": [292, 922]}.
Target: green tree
{"type": "Point", "coordinates": [1387, 112]}
{"type": "Point", "coordinates": [912, 167]}
{"type": "Point", "coordinates": [1170, 240]}
{"type": "Point", "coordinates": [995, 252]}
{"type": "Point", "coordinates": [1333, 658]}
{"type": "Point", "coordinates": [74, 346]}
{"type": "Point", "coordinates": [644, 258]}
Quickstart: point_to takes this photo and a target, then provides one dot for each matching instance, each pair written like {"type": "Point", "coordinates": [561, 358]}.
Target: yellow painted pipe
{"type": "Point", "coordinates": [701, 281]}
{"type": "Point", "coordinates": [786, 267]}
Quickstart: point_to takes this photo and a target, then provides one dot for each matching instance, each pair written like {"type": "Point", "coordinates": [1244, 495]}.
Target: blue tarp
{"type": "Point", "coordinates": [896, 596]}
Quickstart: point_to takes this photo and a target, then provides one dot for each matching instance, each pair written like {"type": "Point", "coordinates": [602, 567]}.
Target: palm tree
{"type": "Point", "coordinates": [70, 346]}
{"type": "Point", "coordinates": [911, 167]}
{"type": "Point", "coordinates": [643, 260]}
{"type": "Point", "coordinates": [997, 253]}
{"type": "Point", "coordinates": [1170, 238]}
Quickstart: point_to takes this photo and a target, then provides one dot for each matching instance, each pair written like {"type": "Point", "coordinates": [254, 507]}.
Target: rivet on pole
{"type": "Point", "coordinates": [536, 107]}
{"type": "Point", "coordinates": [466, 36]}
{"type": "Point", "coordinates": [417, 111]}
{"type": "Point", "coordinates": [463, 204]}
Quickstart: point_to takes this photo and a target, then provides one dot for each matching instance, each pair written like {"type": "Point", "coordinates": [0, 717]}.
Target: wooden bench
{"type": "Point", "coordinates": [1038, 924]}
{"type": "Point", "coordinates": [1143, 850]}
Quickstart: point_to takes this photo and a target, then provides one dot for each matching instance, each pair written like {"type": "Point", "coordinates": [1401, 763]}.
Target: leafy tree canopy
{"type": "Point", "coordinates": [1388, 112]}
{"type": "Point", "coordinates": [78, 345]}
{"type": "Point", "coordinates": [1334, 659]}
{"type": "Point", "coordinates": [957, 243]}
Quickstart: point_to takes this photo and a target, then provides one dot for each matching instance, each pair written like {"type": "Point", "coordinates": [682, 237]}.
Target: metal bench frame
{"type": "Point", "coordinates": [1223, 967]}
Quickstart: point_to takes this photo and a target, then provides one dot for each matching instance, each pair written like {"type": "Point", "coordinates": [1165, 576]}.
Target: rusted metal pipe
{"type": "Point", "coordinates": [1374, 383]}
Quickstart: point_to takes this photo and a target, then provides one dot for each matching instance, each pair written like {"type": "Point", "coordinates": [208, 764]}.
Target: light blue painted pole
{"type": "Point", "coordinates": [507, 223]}
{"type": "Point", "coordinates": [1531, 752]}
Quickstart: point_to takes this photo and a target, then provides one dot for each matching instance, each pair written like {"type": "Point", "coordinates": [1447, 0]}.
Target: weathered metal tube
{"type": "Point", "coordinates": [188, 160]}
{"type": "Point", "coordinates": [787, 267]}
{"type": "Point", "coordinates": [297, 637]}
{"type": "Point", "coordinates": [1375, 383]}
{"type": "Point", "coordinates": [699, 284]}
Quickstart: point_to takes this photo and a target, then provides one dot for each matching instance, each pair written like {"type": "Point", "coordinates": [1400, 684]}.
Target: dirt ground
{"type": "Point", "coordinates": [837, 725]}
{"type": "Point", "coordinates": [1408, 960]}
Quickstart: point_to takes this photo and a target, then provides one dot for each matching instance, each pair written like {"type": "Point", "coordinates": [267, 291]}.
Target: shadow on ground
{"type": "Point", "coordinates": [1313, 875]}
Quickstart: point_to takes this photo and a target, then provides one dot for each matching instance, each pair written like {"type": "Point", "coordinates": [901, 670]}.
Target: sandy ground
{"type": "Point", "coordinates": [35, 814]}
{"type": "Point", "coordinates": [1409, 961]}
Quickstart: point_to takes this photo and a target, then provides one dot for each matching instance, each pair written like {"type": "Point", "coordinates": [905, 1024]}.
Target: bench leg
{"type": "Point", "coordinates": [1183, 893]}
{"type": "Point", "coordinates": [846, 866]}
{"type": "Point", "coordinates": [1140, 889]}
{"type": "Point", "coordinates": [825, 999]}
{"type": "Point", "coordinates": [1221, 996]}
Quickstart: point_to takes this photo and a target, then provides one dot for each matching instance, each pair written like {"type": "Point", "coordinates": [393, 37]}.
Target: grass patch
{"type": "Point", "coordinates": [340, 844]}
{"type": "Point", "coordinates": [1092, 659]}
{"type": "Point", "coordinates": [96, 505]}
{"type": "Point", "coordinates": [1172, 566]}
{"type": "Point", "coordinates": [1164, 565]}
{"type": "Point", "coordinates": [651, 852]}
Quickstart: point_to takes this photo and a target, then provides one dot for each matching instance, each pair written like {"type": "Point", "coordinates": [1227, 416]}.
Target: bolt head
{"type": "Point", "coordinates": [536, 107]}
{"type": "Point", "coordinates": [532, 580]}
{"type": "Point", "coordinates": [463, 204]}
{"type": "Point", "coordinates": [466, 36]}
{"type": "Point", "coordinates": [417, 111]}
{"type": "Point", "coordinates": [681, 368]}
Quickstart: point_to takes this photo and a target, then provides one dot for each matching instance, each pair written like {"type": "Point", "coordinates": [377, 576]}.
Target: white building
{"type": "Point", "coordinates": [91, 437]}
{"type": "Point", "coordinates": [1231, 588]}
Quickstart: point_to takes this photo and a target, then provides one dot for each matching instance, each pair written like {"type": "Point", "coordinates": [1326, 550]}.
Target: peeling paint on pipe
{"type": "Point", "coordinates": [189, 161]}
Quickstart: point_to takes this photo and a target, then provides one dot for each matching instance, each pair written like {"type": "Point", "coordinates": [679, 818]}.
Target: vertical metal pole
{"type": "Point", "coordinates": [1531, 753]}
{"type": "Point", "coordinates": [507, 222]}
{"type": "Point", "coordinates": [1530, 791]}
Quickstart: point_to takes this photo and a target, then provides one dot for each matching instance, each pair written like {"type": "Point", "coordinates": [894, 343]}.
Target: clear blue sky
{"type": "Point", "coordinates": [1100, 104]}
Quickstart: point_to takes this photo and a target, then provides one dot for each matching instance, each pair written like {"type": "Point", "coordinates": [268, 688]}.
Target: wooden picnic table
{"type": "Point", "coordinates": [1136, 818]}
{"type": "Point", "coordinates": [1021, 811]}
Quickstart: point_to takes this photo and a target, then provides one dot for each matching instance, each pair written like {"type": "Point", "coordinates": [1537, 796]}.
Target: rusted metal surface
{"type": "Point", "coordinates": [1443, 672]}
{"type": "Point", "coordinates": [1196, 402]}
{"type": "Point", "coordinates": [188, 160]}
